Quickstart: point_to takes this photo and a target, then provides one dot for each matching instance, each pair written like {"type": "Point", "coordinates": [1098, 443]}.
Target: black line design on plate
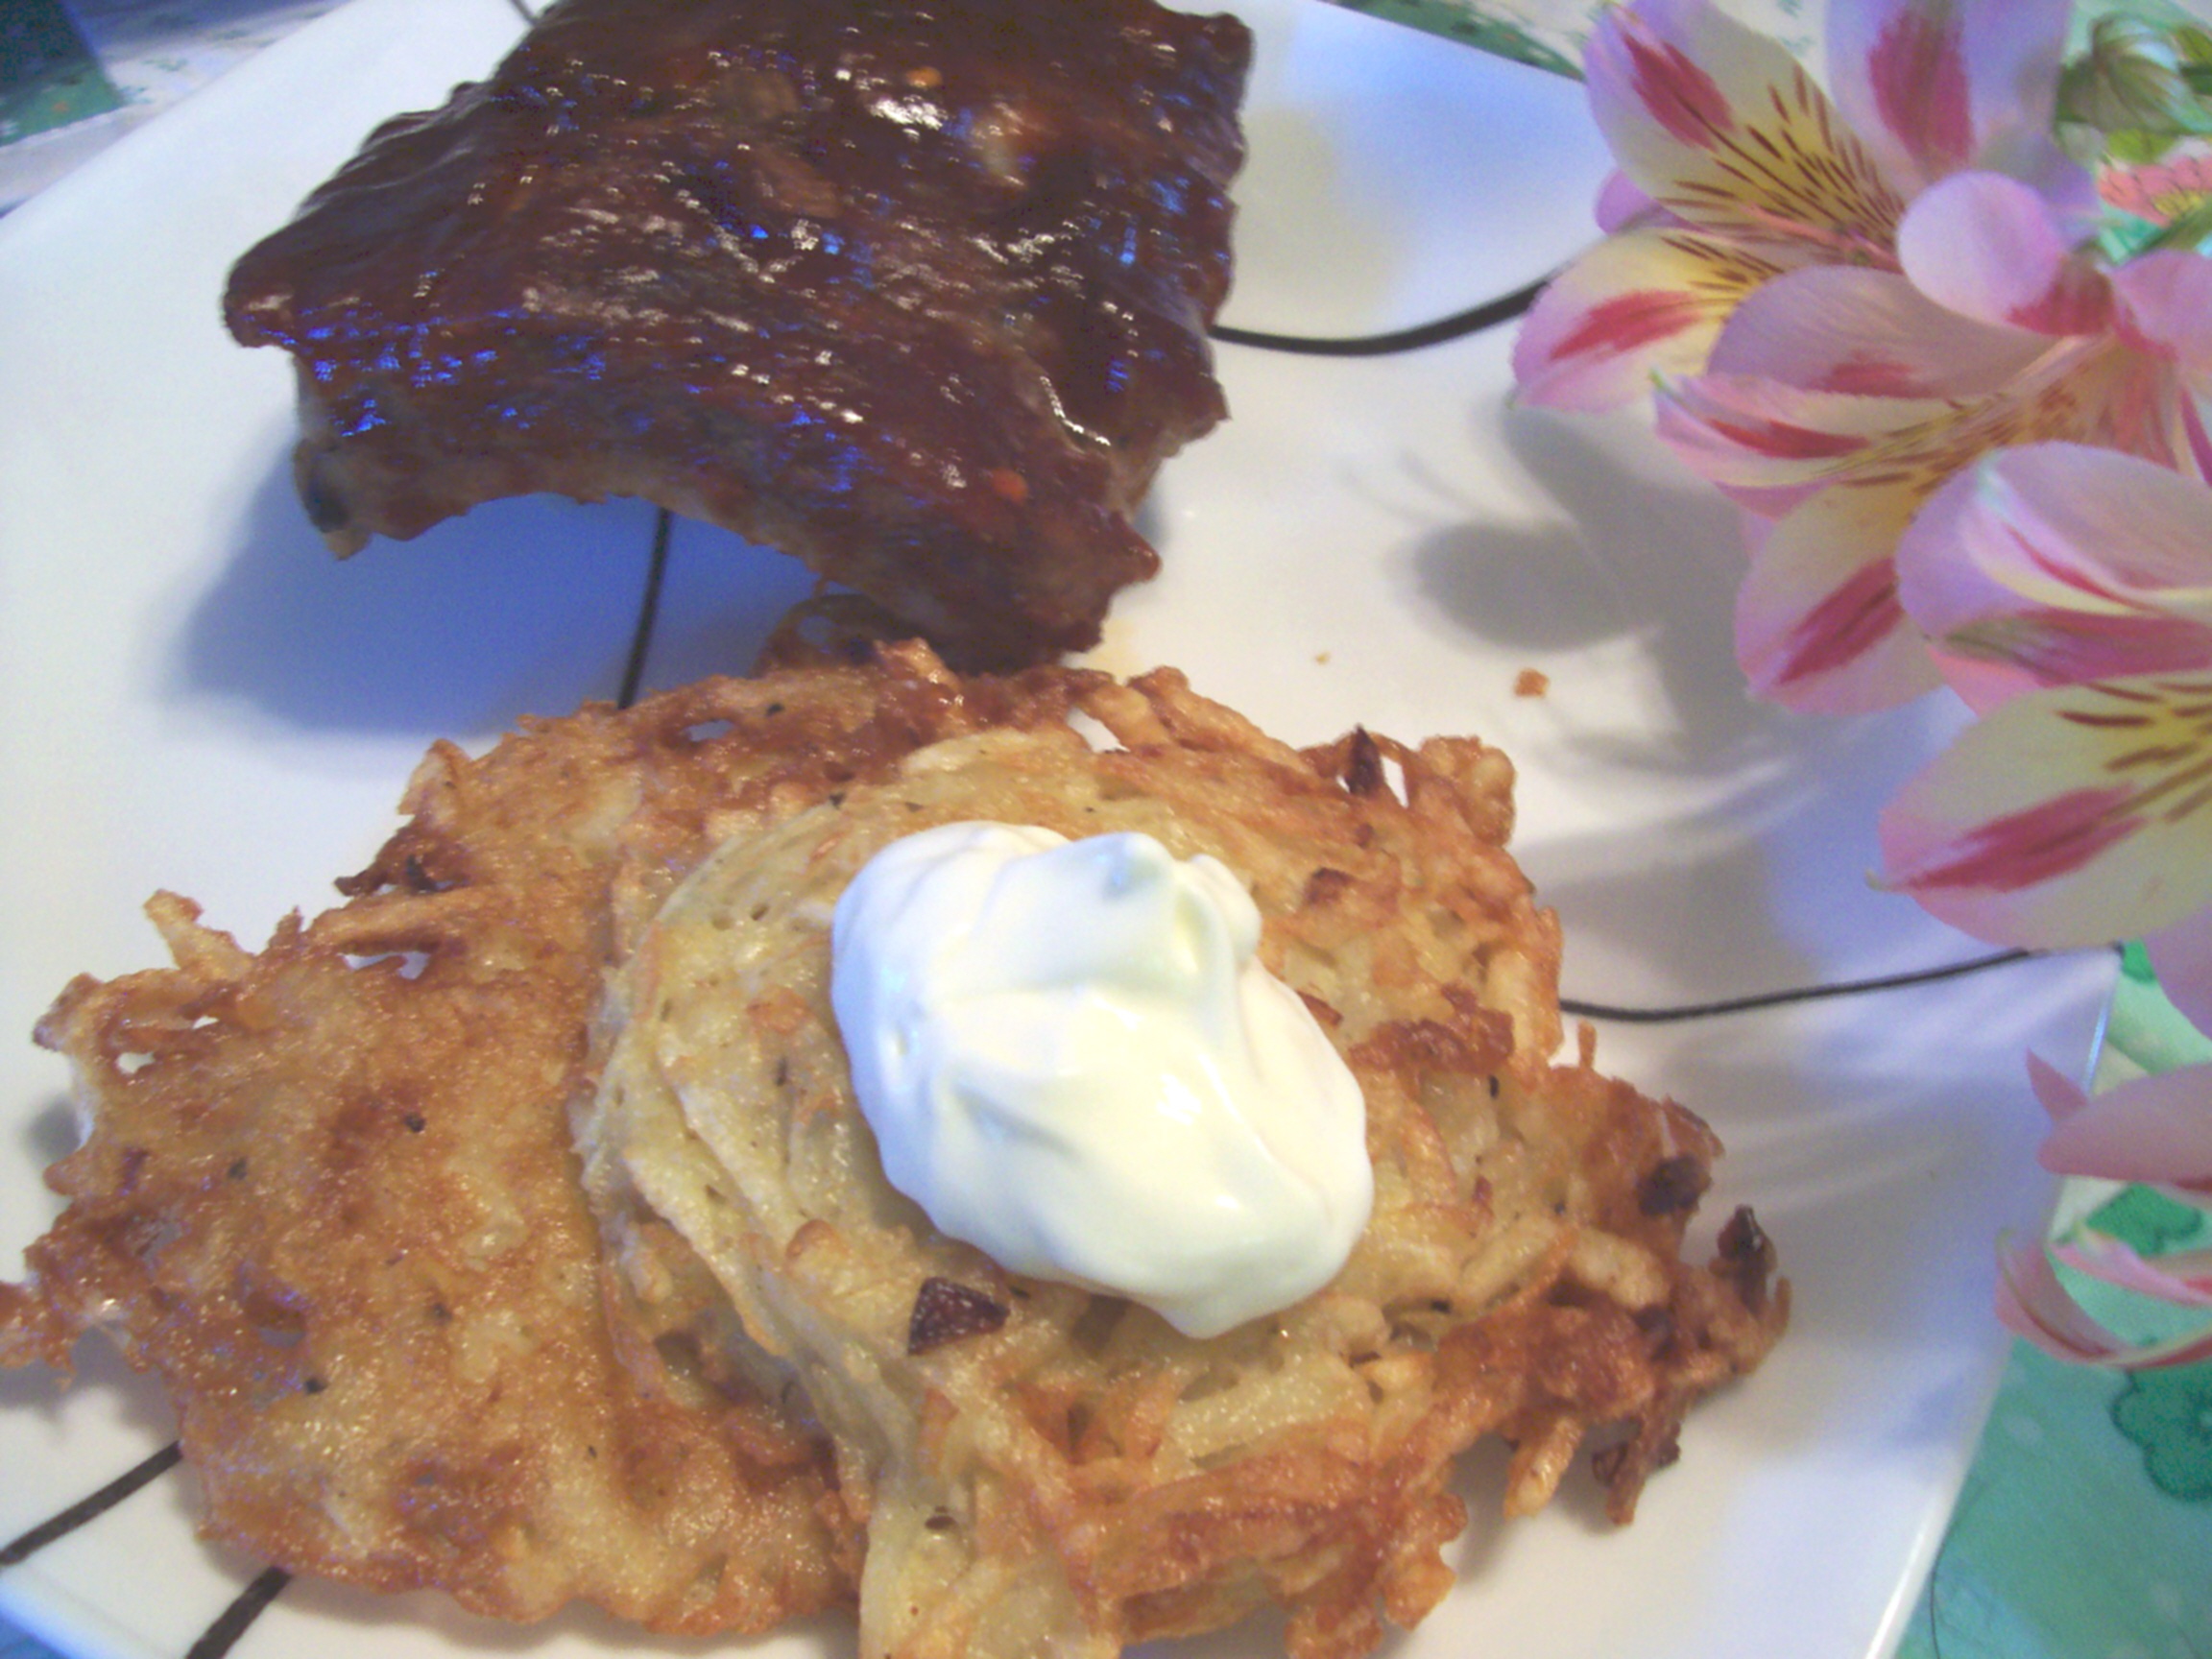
{"type": "Point", "coordinates": [1797, 994]}
{"type": "Point", "coordinates": [90, 1508]}
{"type": "Point", "coordinates": [1472, 321]}
{"type": "Point", "coordinates": [238, 1618]}
{"type": "Point", "coordinates": [648, 611]}
{"type": "Point", "coordinates": [528, 15]}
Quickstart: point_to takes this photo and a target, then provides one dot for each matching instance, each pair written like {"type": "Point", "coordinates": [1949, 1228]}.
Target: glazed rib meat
{"type": "Point", "coordinates": [916, 292]}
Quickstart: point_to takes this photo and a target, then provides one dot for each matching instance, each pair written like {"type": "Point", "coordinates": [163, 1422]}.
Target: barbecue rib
{"type": "Point", "coordinates": [916, 293]}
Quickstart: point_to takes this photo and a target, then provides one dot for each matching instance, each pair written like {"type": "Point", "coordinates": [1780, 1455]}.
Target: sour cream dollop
{"type": "Point", "coordinates": [1073, 1060]}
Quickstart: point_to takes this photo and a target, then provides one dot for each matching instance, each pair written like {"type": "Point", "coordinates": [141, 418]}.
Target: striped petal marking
{"type": "Point", "coordinates": [1918, 74]}
{"type": "Point", "coordinates": [2016, 849]}
{"type": "Point", "coordinates": [1681, 97]}
{"type": "Point", "coordinates": [2064, 818]}
{"type": "Point", "coordinates": [1719, 125]}
{"type": "Point", "coordinates": [1641, 304]}
{"type": "Point", "coordinates": [1768, 445]}
{"type": "Point", "coordinates": [2055, 564]}
{"type": "Point", "coordinates": [1818, 626]}
{"type": "Point", "coordinates": [1936, 85]}
{"type": "Point", "coordinates": [1868, 333]}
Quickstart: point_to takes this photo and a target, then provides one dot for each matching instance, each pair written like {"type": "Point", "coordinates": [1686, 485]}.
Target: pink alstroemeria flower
{"type": "Point", "coordinates": [1843, 303]}
{"type": "Point", "coordinates": [1997, 333]}
{"type": "Point", "coordinates": [1735, 166]}
{"type": "Point", "coordinates": [2067, 594]}
{"type": "Point", "coordinates": [2155, 1130]}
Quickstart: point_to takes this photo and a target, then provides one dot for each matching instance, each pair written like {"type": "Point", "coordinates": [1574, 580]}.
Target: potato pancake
{"type": "Point", "coordinates": [328, 1193]}
{"type": "Point", "coordinates": [1046, 1468]}
{"type": "Point", "coordinates": [511, 1228]}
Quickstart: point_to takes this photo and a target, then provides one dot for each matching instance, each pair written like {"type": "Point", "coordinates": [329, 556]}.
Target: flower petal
{"type": "Point", "coordinates": [1987, 247]}
{"type": "Point", "coordinates": [2068, 189]}
{"type": "Point", "coordinates": [2111, 1261]}
{"type": "Point", "coordinates": [2032, 1303]}
{"type": "Point", "coordinates": [1845, 329]}
{"type": "Point", "coordinates": [2155, 1129]}
{"type": "Point", "coordinates": [2059, 1094]}
{"type": "Point", "coordinates": [1621, 205]}
{"type": "Point", "coordinates": [2197, 439]}
{"type": "Point", "coordinates": [1818, 622]}
{"type": "Point", "coordinates": [1934, 85]}
{"type": "Point", "coordinates": [1643, 302]}
{"type": "Point", "coordinates": [2066, 817]}
{"type": "Point", "coordinates": [1769, 446]}
{"type": "Point", "coordinates": [2166, 305]}
{"type": "Point", "coordinates": [2066, 524]}
{"type": "Point", "coordinates": [2181, 956]}
{"type": "Point", "coordinates": [2192, 1267]}
{"type": "Point", "coordinates": [2055, 564]}
{"type": "Point", "coordinates": [1719, 124]}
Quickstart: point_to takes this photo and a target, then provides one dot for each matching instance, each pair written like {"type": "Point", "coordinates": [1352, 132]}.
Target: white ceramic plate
{"type": "Point", "coordinates": [195, 696]}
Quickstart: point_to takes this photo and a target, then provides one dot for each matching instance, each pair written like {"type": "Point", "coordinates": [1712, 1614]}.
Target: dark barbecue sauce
{"type": "Point", "coordinates": [918, 292]}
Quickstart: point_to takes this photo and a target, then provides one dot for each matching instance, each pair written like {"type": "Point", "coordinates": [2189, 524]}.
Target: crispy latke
{"type": "Point", "coordinates": [1041, 1469]}
{"type": "Point", "coordinates": [329, 1197]}
{"type": "Point", "coordinates": [327, 1194]}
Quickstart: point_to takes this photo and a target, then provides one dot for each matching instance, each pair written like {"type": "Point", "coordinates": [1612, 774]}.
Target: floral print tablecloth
{"type": "Point", "coordinates": [2084, 1529]}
